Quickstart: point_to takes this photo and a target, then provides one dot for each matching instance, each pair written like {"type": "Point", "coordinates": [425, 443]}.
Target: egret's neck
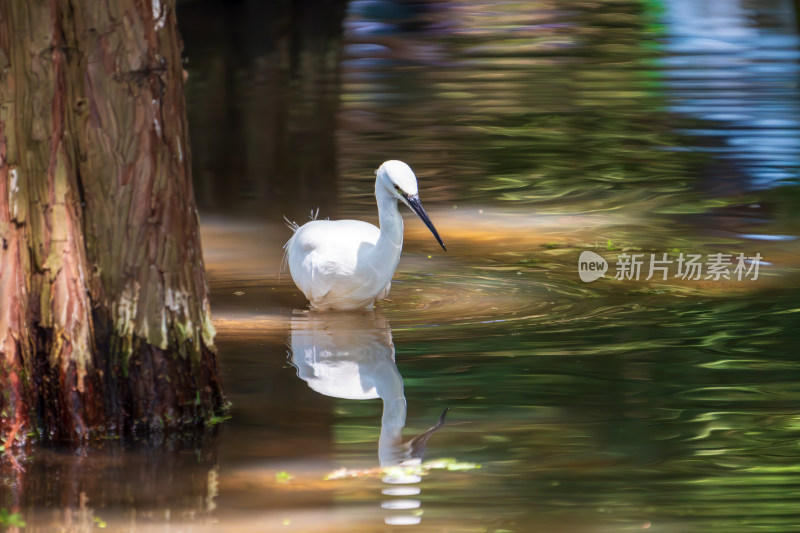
{"type": "Point", "coordinates": [390, 221]}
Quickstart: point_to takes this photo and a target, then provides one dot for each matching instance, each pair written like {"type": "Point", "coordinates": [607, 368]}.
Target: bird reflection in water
{"type": "Point", "coordinates": [350, 355]}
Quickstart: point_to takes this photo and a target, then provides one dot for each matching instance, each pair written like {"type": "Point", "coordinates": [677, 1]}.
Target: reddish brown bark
{"type": "Point", "coordinates": [104, 319]}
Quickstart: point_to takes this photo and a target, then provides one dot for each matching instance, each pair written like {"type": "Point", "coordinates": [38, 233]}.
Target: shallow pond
{"type": "Point", "coordinates": [635, 130]}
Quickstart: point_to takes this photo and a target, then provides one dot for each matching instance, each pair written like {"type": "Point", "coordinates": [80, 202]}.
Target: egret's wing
{"type": "Point", "coordinates": [335, 238]}
{"type": "Point", "coordinates": [324, 253]}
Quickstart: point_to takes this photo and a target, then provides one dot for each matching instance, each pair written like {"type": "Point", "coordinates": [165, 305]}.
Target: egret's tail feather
{"type": "Point", "coordinates": [294, 226]}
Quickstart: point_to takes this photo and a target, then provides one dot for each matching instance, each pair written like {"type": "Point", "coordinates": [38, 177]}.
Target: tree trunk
{"type": "Point", "coordinates": [104, 315]}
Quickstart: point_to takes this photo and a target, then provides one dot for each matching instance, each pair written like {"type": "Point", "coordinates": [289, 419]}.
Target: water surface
{"type": "Point", "coordinates": [539, 130]}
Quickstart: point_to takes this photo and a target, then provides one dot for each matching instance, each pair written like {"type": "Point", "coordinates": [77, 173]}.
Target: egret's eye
{"type": "Point", "coordinates": [397, 188]}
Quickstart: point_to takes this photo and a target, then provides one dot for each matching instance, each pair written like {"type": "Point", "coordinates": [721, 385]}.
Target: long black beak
{"type": "Point", "coordinates": [416, 206]}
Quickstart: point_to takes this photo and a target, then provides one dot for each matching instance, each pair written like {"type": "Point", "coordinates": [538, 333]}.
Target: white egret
{"type": "Point", "coordinates": [347, 264]}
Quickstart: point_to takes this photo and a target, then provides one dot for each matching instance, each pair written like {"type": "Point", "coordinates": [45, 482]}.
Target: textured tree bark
{"type": "Point", "coordinates": [104, 316]}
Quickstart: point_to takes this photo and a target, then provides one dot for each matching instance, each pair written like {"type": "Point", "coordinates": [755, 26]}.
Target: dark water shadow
{"type": "Point", "coordinates": [125, 483]}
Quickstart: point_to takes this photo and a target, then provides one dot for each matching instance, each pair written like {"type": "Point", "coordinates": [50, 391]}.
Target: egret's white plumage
{"type": "Point", "coordinates": [347, 264]}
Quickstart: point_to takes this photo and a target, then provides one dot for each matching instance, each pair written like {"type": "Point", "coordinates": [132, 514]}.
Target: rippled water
{"type": "Point", "coordinates": [540, 130]}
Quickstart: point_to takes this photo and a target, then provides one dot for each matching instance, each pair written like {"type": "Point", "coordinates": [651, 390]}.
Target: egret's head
{"type": "Point", "coordinates": [400, 181]}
